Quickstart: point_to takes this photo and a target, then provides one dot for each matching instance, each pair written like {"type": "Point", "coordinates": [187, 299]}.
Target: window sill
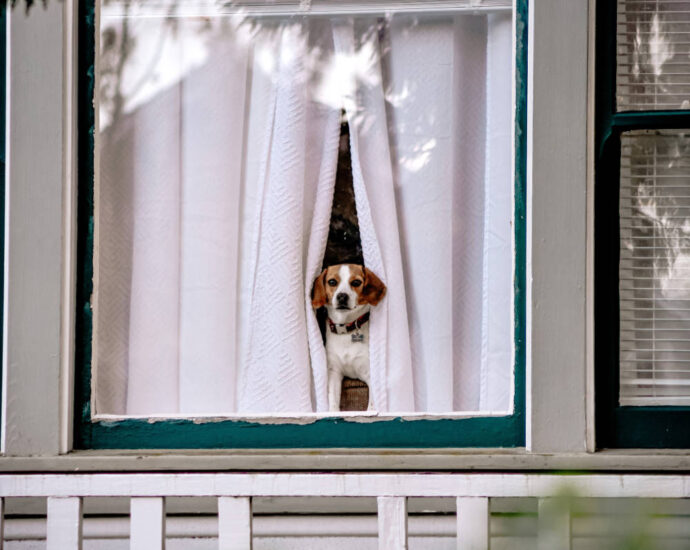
{"type": "Point", "coordinates": [344, 459]}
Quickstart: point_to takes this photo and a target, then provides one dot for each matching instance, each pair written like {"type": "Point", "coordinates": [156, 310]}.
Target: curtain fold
{"type": "Point", "coordinates": [468, 161]}
{"type": "Point", "coordinates": [420, 95]}
{"type": "Point", "coordinates": [449, 97]}
{"type": "Point", "coordinates": [275, 375]}
{"type": "Point", "coordinates": [318, 236]}
{"type": "Point", "coordinates": [389, 346]}
{"type": "Point", "coordinates": [497, 269]}
{"type": "Point", "coordinates": [184, 209]}
{"type": "Point", "coordinates": [153, 359]}
{"type": "Point", "coordinates": [209, 229]}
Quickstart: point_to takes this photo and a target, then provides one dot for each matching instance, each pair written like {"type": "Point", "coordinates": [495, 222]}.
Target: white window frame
{"type": "Point", "coordinates": [40, 245]}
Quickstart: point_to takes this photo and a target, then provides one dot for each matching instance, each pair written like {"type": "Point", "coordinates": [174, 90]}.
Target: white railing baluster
{"type": "Point", "coordinates": [553, 524]}
{"type": "Point", "coordinates": [392, 512]}
{"type": "Point", "coordinates": [147, 523]}
{"type": "Point", "coordinates": [63, 530]}
{"type": "Point", "coordinates": [234, 523]}
{"type": "Point", "coordinates": [473, 523]}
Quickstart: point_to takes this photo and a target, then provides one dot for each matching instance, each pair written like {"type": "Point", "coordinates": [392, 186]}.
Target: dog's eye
{"type": "Point", "coordinates": [332, 282]}
{"type": "Point", "coordinates": [355, 283]}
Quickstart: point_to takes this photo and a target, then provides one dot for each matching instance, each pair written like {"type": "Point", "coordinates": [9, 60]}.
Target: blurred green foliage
{"type": "Point", "coordinates": [628, 524]}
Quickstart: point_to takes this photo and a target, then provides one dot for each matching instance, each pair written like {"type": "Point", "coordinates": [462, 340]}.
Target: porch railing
{"type": "Point", "coordinates": [234, 493]}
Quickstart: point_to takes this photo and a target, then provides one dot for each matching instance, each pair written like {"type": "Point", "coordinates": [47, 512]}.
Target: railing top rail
{"type": "Point", "coordinates": [345, 485]}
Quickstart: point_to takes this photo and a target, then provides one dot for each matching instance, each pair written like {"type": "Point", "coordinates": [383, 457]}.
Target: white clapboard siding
{"type": "Point", "coordinates": [63, 530]}
{"type": "Point", "coordinates": [392, 523]}
{"type": "Point", "coordinates": [473, 523]}
{"type": "Point", "coordinates": [553, 525]}
{"type": "Point", "coordinates": [234, 523]}
{"type": "Point", "coordinates": [147, 523]}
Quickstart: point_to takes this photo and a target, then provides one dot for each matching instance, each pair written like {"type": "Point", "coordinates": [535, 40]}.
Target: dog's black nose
{"type": "Point", "coordinates": [342, 299]}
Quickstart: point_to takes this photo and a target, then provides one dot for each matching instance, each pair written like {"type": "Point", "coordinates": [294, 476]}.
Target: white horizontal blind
{"type": "Point", "coordinates": [653, 54]}
{"type": "Point", "coordinates": [654, 270]}
{"type": "Point", "coordinates": [281, 8]}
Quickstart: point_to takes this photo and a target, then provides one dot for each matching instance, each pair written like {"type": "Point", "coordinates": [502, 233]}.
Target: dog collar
{"type": "Point", "coordinates": [349, 327]}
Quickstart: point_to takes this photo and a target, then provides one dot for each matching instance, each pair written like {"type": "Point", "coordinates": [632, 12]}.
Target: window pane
{"type": "Point", "coordinates": [221, 137]}
{"type": "Point", "coordinates": [655, 268]}
{"type": "Point", "coordinates": [653, 53]}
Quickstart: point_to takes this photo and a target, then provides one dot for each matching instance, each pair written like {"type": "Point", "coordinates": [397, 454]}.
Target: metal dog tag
{"type": "Point", "coordinates": [357, 337]}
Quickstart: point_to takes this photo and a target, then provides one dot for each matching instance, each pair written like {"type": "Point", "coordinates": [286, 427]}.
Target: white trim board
{"type": "Point", "coordinates": [345, 485]}
{"type": "Point", "coordinates": [556, 225]}
{"type": "Point", "coordinates": [39, 232]}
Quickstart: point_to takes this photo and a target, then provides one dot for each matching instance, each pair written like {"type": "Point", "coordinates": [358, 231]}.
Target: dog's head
{"type": "Point", "coordinates": [346, 286]}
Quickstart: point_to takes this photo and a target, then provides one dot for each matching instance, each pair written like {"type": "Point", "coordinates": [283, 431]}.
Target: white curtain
{"type": "Point", "coordinates": [167, 247]}
{"type": "Point", "coordinates": [450, 118]}
{"type": "Point", "coordinates": [214, 203]}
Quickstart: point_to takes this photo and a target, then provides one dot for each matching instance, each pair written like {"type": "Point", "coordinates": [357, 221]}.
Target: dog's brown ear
{"type": "Point", "coordinates": [318, 291]}
{"type": "Point", "coordinates": [374, 290]}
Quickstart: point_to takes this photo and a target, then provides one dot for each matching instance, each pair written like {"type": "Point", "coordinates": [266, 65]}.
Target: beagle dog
{"type": "Point", "coordinates": [347, 291]}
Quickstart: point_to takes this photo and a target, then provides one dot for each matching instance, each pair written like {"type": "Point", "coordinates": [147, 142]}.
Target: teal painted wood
{"type": "Point", "coordinates": [520, 217]}
{"type": "Point", "coordinates": [507, 431]}
{"type": "Point", "coordinates": [3, 65]}
{"type": "Point", "coordinates": [626, 121]}
{"type": "Point", "coordinates": [617, 426]}
{"type": "Point", "coordinates": [85, 167]}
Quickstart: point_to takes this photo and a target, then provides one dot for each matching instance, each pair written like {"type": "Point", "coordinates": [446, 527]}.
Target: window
{"type": "Point", "coordinates": [642, 270]}
{"type": "Point", "coordinates": [187, 299]}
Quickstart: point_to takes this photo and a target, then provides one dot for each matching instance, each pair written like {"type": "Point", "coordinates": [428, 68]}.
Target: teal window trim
{"type": "Point", "coordinates": [620, 426]}
{"type": "Point", "coordinates": [504, 431]}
